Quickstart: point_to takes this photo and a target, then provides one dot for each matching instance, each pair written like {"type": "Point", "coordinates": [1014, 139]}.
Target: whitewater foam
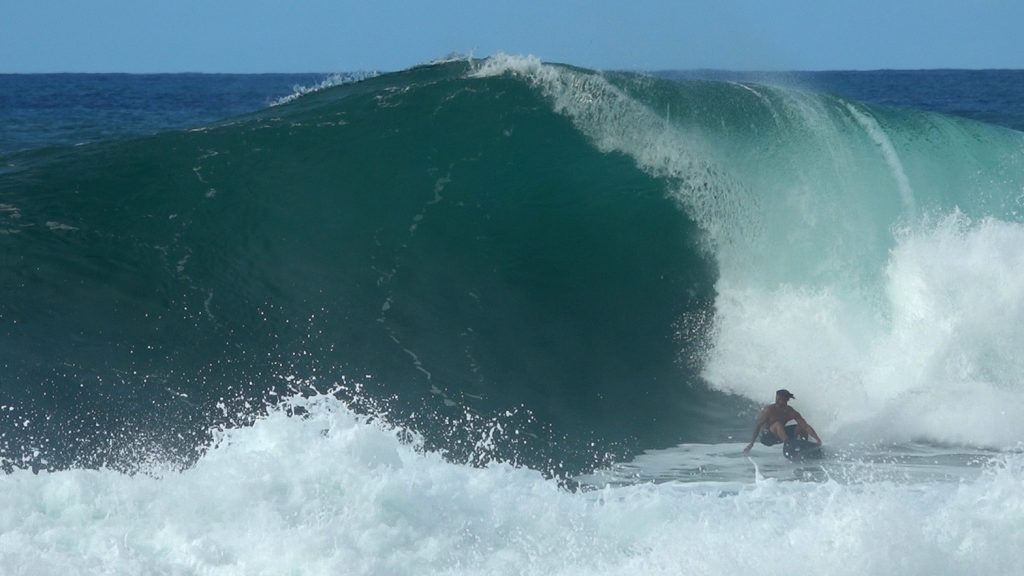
{"type": "Point", "coordinates": [936, 359]}
{"type": "Point", "coordinates": [331, 492]}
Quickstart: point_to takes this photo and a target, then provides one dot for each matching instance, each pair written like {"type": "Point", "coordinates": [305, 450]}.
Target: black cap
{"type": "Point", "coordinates": [785, 393]}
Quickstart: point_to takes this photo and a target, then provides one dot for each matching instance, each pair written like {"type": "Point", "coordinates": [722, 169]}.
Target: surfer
{"type": "Point", "coordinates": [771, 423]}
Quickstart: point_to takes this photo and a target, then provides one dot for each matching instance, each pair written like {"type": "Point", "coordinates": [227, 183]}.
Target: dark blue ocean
{"type": "Point", "coordinates": [38, 110]}
{"type": "Point", "coordinates": [507, 317]}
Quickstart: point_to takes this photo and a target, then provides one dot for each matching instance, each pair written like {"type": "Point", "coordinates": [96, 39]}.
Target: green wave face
{"type": "Point", "coordinates": [462, 239]}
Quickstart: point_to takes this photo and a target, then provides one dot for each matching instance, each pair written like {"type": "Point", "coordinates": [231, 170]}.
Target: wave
{"type": "Point", "coordinates": [626, 261]}
{"type": "Point", "coordinates": [848, 262]}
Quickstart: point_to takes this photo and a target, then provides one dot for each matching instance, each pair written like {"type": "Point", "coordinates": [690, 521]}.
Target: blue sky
{"type": "Point", "coordinates": [344, 35]}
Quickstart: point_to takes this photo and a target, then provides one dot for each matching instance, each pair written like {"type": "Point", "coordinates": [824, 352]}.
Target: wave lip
{"type": "Point", "coordinates": [298, 91]}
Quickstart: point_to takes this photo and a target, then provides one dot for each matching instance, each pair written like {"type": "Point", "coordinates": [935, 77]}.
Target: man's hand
{"type": "Point", "coordinates": [747, 449]}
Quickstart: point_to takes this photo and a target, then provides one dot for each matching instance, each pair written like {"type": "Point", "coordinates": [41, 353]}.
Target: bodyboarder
{"type": "Point", "coordinates": [772, 423]}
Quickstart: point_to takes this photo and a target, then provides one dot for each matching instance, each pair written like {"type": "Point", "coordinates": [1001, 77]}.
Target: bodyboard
{"type": "Point", "coordinates": [799, 450]}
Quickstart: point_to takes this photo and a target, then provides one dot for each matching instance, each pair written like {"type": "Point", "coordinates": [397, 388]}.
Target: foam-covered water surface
{"type": "Point", "coordinates": [330, 492]}
{"type": "Point", "coordinates": [915, 463]}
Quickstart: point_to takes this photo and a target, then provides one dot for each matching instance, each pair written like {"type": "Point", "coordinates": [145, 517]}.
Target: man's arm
{"type": "Point", "coordinates": [761, 418]}
{"type": "Point", "coordinates": [803, 424]}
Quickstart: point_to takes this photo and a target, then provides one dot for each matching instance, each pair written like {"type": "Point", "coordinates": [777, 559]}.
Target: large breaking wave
{"type": "Point", "coordinates": [617, 258]}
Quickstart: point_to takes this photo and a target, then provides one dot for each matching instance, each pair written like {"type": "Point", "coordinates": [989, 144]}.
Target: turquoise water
{"type": "Point", "coordinates": [508, 317]}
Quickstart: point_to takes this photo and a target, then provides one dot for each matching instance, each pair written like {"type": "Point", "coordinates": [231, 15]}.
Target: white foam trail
{"type": "Point", "coordinates": [878, 135]}
{"type": "Point", "coordinates": [329, 493]}
{"type": "Point", "coordinates": [328, 82]}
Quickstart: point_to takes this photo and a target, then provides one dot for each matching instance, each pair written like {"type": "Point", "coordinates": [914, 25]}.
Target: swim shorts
{"type": "Point", "coordinates": [769, 438]}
